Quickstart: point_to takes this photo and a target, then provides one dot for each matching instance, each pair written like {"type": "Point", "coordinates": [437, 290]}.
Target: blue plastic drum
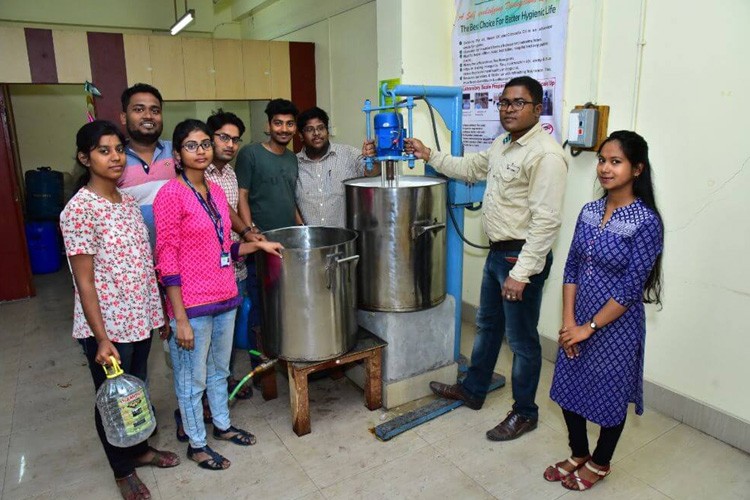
{"type": "Point", "coordinates": [44, 194]}
{"type": "Point", "coordinates": [44, 251]}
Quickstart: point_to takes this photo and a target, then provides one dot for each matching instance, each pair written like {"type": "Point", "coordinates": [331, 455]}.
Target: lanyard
{"type": "Point", "coordinates": [210, 209]}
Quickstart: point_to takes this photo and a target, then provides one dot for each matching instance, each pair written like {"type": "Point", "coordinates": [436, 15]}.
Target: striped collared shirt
{"type": "Point", "coordinates": [320, 188]}
{"type": "Point", "coordinates": [227, 180]}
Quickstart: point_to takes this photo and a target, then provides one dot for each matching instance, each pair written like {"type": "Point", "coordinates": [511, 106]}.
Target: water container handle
{"type": "Point", "coordinates": [114, 368]}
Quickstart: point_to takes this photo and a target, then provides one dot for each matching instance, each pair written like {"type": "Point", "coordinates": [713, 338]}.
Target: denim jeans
{"type": "Point", "coordinates": [205, 368]}
{"type": "Point", "coordinates": [133, 361]}
{"type": "Point", "coordinates": [498, 318]}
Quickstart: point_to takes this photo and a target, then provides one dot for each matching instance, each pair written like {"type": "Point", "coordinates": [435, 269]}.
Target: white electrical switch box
{"type": "Point", "coordinates": [582, 127]}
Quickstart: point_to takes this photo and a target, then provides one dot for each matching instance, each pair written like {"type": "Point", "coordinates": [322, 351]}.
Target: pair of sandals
{"type": "Point", "coordinates": [570, 479]}
{"type": "Point", "coordinates": [216, 461]}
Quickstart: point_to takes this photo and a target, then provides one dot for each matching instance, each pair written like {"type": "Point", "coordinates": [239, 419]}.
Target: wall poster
{"type": "Point", "coordinates": [496, 40]}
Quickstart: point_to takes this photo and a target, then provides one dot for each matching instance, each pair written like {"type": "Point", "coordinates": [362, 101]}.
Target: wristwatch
{"type": "Point", "coordinates": [593, 325]}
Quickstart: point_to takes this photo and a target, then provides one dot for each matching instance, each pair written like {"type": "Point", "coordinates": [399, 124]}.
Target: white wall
{"type": "Point", "coordinates": [686, 96]}
{"type": "Point", "coordinates": [47, 118]}
{"type": "Point", "coordinates": [345, 55]}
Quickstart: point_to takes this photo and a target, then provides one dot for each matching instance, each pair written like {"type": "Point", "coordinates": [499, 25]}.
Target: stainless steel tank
{"type": "Point", "coordinates": [308, 298]}
{"type": "Point", "coordinates": [401, 227]}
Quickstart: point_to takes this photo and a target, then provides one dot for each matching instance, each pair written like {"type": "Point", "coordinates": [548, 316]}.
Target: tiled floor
{"type": "Point", "coordinates": [49, 449]}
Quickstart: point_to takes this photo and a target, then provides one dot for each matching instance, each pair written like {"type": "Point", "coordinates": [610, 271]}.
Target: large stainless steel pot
{"type": "Point", "coordinates": [401, 241]}
{"type": "Point", "coordinates": [308, 298]}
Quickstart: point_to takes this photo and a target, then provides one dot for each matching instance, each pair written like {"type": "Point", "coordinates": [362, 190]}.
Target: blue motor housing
{"type": "Point", "coordinates": [389, 134]}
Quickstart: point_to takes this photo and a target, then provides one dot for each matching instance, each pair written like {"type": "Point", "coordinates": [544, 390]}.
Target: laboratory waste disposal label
{"type": "Point", "coordinates": [135, 411]}
{"type": "Point", "coordinates": [496, 40]}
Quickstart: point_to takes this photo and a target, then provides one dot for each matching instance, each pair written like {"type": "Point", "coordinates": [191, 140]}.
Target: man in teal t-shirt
{"type": "Point", "coordinates": [267, 173]}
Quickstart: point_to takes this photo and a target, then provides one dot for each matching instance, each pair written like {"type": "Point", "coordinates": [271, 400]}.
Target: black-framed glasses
{"type": "Point", "coordinates": [192, 146]}
{"type": "Point", "coordinates": [516, 104]}
{"type": "Point", "coordinates": [319, 129]}
{"type": "Point", "coordinates": [226, 138]}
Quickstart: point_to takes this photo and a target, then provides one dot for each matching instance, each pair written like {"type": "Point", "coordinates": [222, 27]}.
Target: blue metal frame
{"type": "Point", "coordinates": [447, 101]}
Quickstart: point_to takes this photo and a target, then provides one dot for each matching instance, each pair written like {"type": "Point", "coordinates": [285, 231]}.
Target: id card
{"type": "Point", "coordinates": [225, 259]}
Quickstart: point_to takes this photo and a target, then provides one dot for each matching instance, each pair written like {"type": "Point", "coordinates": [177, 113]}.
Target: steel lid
{"type": "Point", "coordinates": [405, 181]}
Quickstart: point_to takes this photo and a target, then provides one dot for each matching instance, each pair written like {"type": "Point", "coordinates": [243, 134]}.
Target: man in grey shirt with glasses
{"type": "Point", "coordinates": [323, 166]}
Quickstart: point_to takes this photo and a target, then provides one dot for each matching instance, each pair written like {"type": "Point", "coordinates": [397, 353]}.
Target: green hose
{"type": "Point", "coordinates": [262, 367]}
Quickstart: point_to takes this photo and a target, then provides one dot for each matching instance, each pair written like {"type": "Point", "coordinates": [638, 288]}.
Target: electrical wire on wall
{"type": "Point", "coordinates": [473, 208]}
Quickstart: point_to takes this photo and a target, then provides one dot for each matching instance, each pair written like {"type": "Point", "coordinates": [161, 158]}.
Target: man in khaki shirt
{"type": "Point", "coordinates": [525, 171]}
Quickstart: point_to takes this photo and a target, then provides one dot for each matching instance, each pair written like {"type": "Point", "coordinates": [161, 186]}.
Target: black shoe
{"type": "Point", "coordinates": [514, 426]}
{"type": "Point", "coordinates": [456, 392]}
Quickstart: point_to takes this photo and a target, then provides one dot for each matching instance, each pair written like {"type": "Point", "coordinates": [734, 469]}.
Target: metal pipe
{"type": "Point", "coordinates": [447, 102]}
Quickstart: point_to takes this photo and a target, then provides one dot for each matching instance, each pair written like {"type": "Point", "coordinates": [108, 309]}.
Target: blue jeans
{"type": "Point", "coordinates": [205, 368]}
{"type": "Point", "coordinates": [498, 318]}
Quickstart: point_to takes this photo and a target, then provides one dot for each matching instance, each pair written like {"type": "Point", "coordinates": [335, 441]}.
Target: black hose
{"type": "Point", "coordinates": [473, 208]}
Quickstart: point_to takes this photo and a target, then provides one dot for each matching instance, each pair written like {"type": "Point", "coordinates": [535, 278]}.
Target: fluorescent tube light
{"type": "Point", "coordinates": [182, 22]}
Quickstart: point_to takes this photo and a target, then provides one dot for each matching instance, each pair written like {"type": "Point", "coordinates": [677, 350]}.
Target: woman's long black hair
{"type": "Point", "coordinates": [635, 149]}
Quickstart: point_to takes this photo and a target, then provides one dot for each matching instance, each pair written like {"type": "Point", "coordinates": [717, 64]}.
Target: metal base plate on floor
{"type": "Point", "coordinates": [441, 406]}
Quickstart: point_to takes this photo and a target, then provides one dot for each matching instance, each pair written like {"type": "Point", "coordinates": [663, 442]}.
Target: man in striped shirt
{"type": "Point", "coordinates": [149, 163]}
{"type": "Point", "coordinates": [323, 166]}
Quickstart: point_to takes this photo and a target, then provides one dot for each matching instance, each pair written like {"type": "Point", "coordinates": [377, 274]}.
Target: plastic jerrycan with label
{"type": "Point", "coordinates": [125, 407]}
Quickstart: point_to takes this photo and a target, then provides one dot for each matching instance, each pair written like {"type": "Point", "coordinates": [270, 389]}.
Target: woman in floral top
{"type": "Point", "coordinates": [117, 302]}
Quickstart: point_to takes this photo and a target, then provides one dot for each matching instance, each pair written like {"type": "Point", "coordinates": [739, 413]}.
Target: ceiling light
{"type": "Point", "coordinates": [182, 22]}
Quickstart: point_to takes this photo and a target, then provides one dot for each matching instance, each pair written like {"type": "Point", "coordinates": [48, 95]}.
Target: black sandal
{"type": "Point", "coordinates": [214, 463]}
{"type": "Point", "coordinates": [240, 437]}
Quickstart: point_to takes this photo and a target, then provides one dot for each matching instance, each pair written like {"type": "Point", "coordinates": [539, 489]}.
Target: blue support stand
{"type": "Point", "coordinates": [447, 102]}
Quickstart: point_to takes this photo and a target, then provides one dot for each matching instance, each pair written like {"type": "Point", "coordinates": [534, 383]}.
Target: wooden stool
{"type": "Point", "coordinates": [369, 349]}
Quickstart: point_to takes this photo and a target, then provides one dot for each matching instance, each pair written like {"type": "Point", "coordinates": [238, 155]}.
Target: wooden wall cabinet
{"type": "Point", "coordinates": [168, 70]}
{"type": "Point", "coordinates": [182, 68]}
{"type": "Point", "coordinates": [72, 56]}
{"type": "Point", "coordinates": [228, 68]}
{"type": "Point", "coordinates": [137, 59]}
{"type": "Point", "coordinates": [14, 58]}
{"type": "Point", "coordinates": [256, 65]}
{"type": "Point", "coordinates": [198, 66]}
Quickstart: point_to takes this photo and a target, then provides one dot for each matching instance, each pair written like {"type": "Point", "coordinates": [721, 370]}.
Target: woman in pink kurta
{"type": "Point", "coordinates": [194, 253]}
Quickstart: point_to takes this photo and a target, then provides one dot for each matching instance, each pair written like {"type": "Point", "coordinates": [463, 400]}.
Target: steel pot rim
{"type": "Point", "coordinates": [354, 235]}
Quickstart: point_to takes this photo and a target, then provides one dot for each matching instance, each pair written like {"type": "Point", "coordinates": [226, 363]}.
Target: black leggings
{"type": "Point", "coordinates": [134, 358]}
{"type": "Point", "coordinates": [579, 441]}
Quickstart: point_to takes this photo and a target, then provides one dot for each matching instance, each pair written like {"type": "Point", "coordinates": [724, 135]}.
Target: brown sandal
{"type": "Point", "coordinates": [557, 472]}
{"type": "Point", "coordinates": [160, 459]}
{"type": "Point", "coordinates": [577, 483]}
{"type": "Point", "coordinates": [132, 488]}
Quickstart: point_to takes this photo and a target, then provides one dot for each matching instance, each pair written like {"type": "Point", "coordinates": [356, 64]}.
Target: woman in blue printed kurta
{"type": "Point", "coordinates": [613, 267]}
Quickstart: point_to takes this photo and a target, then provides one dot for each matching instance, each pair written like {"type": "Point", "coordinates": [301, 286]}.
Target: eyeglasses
{"type": "Point", "coordinates": [516, 104]}
{"type": "Point", "coordinates": [192, 146]}
{"type": "Point", "coordinates": [225, 138]}
{"type": "Point", "coordinates": [319, 129]}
